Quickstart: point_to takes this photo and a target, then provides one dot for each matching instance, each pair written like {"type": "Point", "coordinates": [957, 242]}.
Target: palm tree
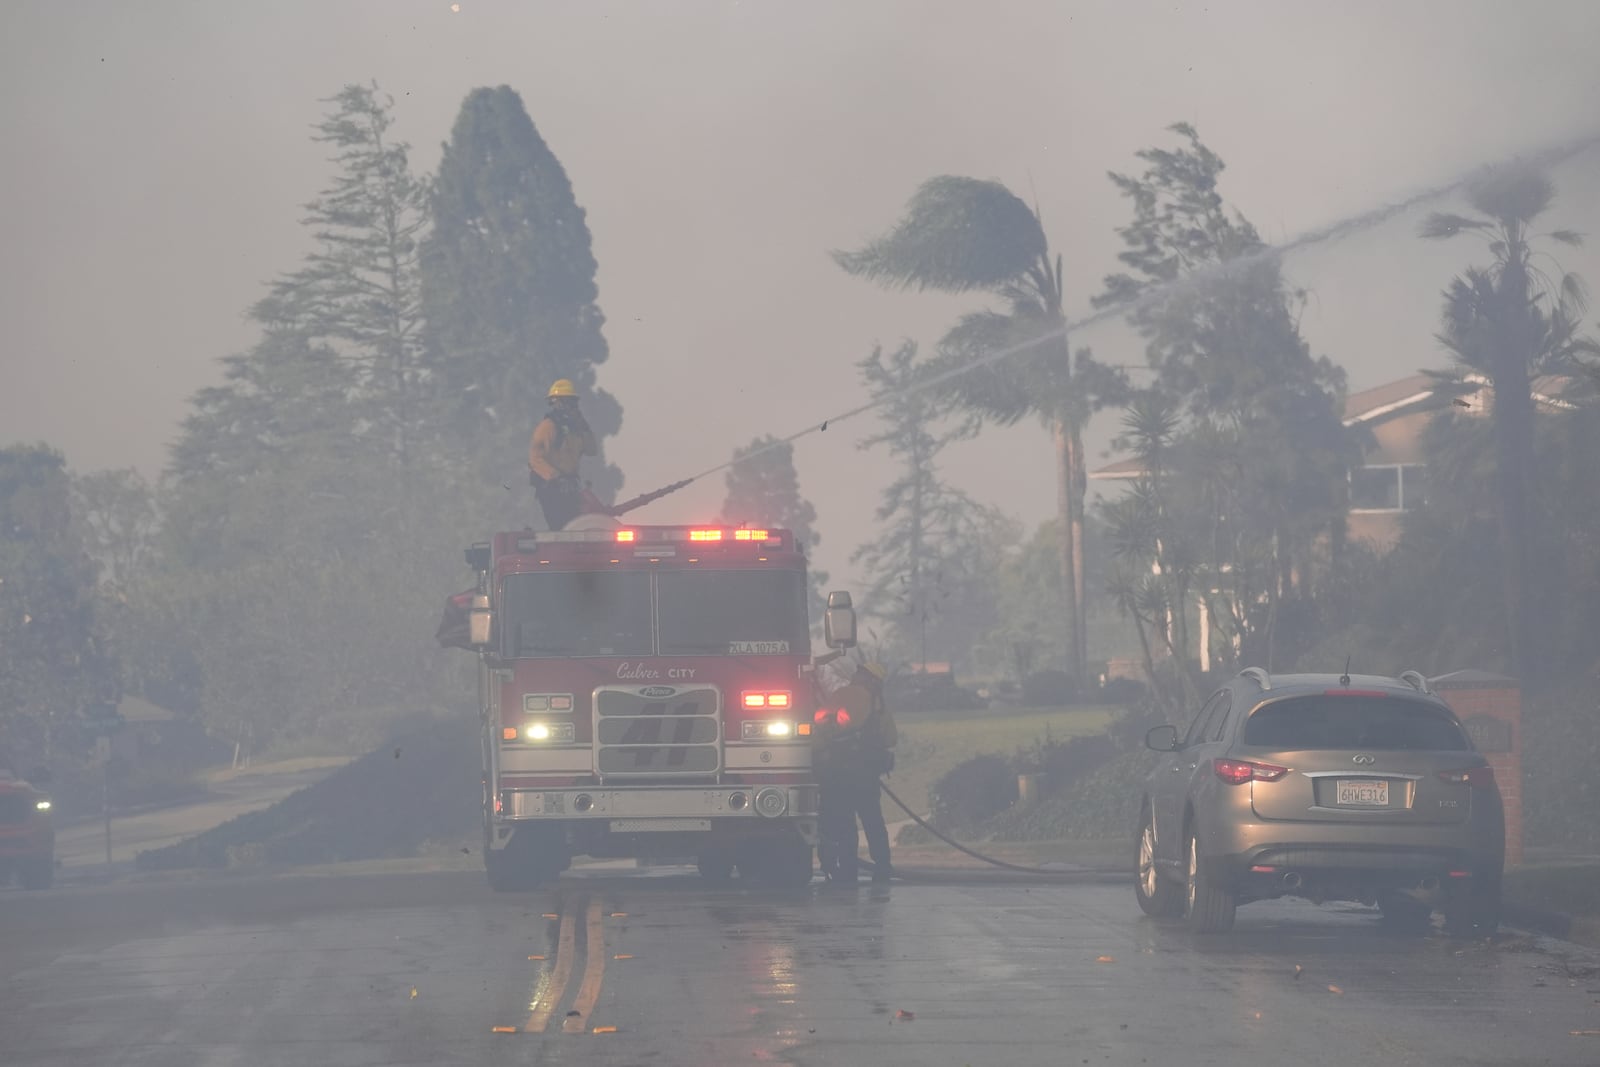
{"type": "Point", "coordinates": [1511, 322]}
{"type": "Point", "coordinates": [962, 235]}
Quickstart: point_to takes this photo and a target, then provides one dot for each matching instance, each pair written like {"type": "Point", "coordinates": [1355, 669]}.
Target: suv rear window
{"type": "Point", "coordinates": [1384, 724]}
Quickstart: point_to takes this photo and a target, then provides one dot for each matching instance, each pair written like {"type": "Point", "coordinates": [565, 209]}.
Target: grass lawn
{"type": "Point", "coordinates": [933, 742]}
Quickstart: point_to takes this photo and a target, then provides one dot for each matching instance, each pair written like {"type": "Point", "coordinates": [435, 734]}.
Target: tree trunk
{"type": "Point", "coordinates": [1513, 426]}
{"type": "Point", "coordinates": [1069, 513]}
{"type": "Point", "coordinates": [1512, 418]}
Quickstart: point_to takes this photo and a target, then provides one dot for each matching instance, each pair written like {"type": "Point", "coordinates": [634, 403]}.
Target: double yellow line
{"type": "Point", "coordinates": [553, 989]}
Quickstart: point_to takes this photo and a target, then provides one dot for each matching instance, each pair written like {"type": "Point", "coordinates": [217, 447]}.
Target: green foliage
{"type": "Point", "coordinates": [315, 496]}
{"type": "Point", "coordinates": [53, 667]}
{"type": "Point", "coordinates": [1434, 602]}
{"type": "Point", "coordinates": [1240, 440]}
{"type": "Point", "coordinates": [763, 490]}
{"type": "Point", "coordinates": [1101, 804]}
{"type": "Point", "coordinates": [359, 290]}
{"type": "Point", "coordinates": [929, 567]}
{"type": "Point", "coordinates": [972, 792]}
{"type": "Point", "coordinates": [1031, 625]}
{"type": "Point", "coordinates": [509, 287]}
{"type": "Point", "coordinates": [1510, 322]}
{"type": "Point", "coordinates": [959, 235]}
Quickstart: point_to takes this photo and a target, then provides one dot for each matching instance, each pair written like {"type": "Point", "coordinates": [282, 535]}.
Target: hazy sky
{"type": "Point", "coordinates": [157, 155]}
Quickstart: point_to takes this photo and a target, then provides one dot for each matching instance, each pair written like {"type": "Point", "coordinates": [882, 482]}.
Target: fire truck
{"type": "Point", "coordinates": [646, 692]}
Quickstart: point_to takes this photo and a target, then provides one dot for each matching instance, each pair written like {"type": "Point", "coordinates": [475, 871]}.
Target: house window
{"type": "Point", "coordinates": [1388, 487]}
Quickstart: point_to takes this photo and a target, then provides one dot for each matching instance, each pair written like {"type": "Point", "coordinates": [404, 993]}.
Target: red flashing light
{"type": "Point", "coordinates": [626, 536]}
{"type": "Point", "coordinates": [843, 718]}
{"type": "Point", "coordinates": [766, 700]}
{"type": "Point", "coordinates": [1259, 869]}
{"type": "Point", "coordinates": [1239, 771]}
{"type": "Point", "coordinates": [755, 700]}
{"type": "Point", "coordinates": [750, 535]}
{"type": "Point", "coordinates": [705, 535]}
{"type": "Point", "coordinates": [818, 715]}
{"type": "Point", "coordinates": [777, 700]}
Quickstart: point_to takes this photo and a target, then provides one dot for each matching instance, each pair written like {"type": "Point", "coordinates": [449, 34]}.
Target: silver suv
{"type": "Point", "coordinates": [1326, 787]}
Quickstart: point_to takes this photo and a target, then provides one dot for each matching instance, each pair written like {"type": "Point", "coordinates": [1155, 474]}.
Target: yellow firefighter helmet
{"type": "Point", "coordinates": [562, 387]}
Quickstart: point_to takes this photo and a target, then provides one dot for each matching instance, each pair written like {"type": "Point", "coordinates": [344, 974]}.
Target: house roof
{"type": "Point", "coordinates": [1369, 405]}
{"type": "Point", "coordinates": [1122, 469]}
{"type": "Point", "coordinates": [1380, 400]}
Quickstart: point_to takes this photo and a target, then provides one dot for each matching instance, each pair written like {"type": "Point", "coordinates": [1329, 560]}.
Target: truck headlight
{"type": "Point", "coordinates": [776, 730]}
{"type": "Point", "coordinates": [41, 805]}
{"type": "Point", "coordinates": [548, 731]}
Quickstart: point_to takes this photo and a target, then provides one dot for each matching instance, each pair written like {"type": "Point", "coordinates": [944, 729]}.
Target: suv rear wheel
{"type": "Point", "coordinates": [1403, 913]}
{"type": "Point", "coordinates": [1475, 910]}
{"type": "Point", "coordinates": [1210, 908]}
{"type": "Point", "coordinates": [1158, 897]}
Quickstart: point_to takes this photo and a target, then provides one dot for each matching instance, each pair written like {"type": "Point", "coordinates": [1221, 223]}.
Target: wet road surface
{"type": "Point", "coordinates": [434, 969]}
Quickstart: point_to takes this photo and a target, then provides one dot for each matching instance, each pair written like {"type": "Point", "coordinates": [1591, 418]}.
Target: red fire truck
{"type": "Point", "coordinates": [646, 692]}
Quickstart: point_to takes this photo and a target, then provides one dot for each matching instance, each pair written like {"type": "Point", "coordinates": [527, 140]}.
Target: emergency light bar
{"type": "Point", "coordinates": [708, 535]}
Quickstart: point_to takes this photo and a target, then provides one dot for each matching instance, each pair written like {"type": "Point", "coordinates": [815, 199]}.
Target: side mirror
{"type": "Point", "coordinates": [478, 557]}
{"type": "Point", "coordinates": [1162, 738]}
{"type": "Point", "coordinates": [480, 622]}
{"type": "Point", "coordinates": [839, 622]}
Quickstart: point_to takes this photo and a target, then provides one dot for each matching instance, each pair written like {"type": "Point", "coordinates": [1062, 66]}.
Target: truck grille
{"type": "Point", "coordinates": [657, 731]}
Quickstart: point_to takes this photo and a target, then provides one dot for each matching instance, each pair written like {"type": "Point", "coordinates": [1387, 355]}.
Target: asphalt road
{"type": "Point", "coordinates": [433, 969]}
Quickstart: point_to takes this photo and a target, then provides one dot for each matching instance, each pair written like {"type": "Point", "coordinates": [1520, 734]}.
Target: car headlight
{"type": "Point", "coordinates": [41, 805]}
{"type": "Point", "coordinates": [774, 730]}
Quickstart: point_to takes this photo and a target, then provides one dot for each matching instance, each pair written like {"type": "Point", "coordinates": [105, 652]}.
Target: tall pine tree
{"type": "Point", "coordinates": [764, 490]}
{"type": "Point", "coordinates": [509, 287]}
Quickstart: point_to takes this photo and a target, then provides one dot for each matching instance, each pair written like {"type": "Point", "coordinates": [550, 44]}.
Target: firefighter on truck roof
{"type": "Point", "coordinates": [560, 440]}
{"type": "Point", "coordinates": [855, 738]}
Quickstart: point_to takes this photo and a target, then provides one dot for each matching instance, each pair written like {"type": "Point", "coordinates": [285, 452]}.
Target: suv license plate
{"type": "Point", "coordinates": [1362, 792]}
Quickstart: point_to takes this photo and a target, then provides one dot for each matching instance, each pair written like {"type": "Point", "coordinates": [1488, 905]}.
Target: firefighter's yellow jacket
{"type": "Point", "coordinates": [555, 452]}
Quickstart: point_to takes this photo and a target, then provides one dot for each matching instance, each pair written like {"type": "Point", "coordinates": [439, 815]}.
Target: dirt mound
{"type": "Point", "coordinates": [421, 787]}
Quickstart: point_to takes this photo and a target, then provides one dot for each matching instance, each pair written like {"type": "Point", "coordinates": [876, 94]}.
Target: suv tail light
{"type": "Point", "coordinates": [1472, 777]}
{"type": "Point", "coordinates": [1240, 771]}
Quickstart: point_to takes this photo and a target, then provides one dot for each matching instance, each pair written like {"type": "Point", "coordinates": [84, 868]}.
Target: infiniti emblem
{"type": "Point", "coordinates": [1363, 759]}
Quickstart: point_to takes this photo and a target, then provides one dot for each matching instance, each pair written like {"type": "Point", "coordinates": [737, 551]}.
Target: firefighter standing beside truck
{"type": "Point", "coordinates": [855, 745]}
{"type": "Point", "coordinates": [561, 439]}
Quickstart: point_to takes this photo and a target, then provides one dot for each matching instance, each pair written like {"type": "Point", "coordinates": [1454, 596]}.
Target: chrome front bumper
{"type": "Point", "coordinates": [736, 802]}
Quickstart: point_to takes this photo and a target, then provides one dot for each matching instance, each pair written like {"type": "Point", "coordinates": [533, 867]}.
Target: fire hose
{"type": "Point", "coordinates": [1044, 872]}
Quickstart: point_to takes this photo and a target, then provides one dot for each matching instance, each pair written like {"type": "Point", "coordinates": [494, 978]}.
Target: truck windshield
{"type": "Point", "coordinates": [577, 614]}
{"type": "Point", "coordinates": [733, 612]}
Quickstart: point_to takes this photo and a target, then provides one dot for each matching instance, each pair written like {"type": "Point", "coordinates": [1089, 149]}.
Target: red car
{"type": "Point", "coordinates": [27, 837]}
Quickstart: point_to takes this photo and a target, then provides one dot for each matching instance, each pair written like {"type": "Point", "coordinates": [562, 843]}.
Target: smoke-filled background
{"type": "Point", "coordinates": [158, 155]}
{"type": "Point", "coordinates": [710, 195]}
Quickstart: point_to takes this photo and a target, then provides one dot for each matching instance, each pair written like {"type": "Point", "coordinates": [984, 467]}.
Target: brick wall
{"type": "Point", "coordinates": [1492, 713]}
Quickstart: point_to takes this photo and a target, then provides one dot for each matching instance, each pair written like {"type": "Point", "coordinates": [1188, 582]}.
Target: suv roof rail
{"type": "Point", "coordinates": [1415, 680]}
{"type": "Point", "coordinates": [1261, 677]}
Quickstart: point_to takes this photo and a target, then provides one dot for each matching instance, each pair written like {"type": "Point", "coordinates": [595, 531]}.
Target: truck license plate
{"type": "Point", "coordinates": [659, 826]}
{"type": "Point", "coordinates": [1362, 793]}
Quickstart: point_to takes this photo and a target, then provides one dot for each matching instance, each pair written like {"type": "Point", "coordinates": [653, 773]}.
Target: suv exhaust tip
{"type": "Point", "coordinates": [1292, 881]}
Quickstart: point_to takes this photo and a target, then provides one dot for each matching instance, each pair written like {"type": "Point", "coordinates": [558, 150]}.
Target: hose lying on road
{"type": "Point", "coordinates": [1047, 872]}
